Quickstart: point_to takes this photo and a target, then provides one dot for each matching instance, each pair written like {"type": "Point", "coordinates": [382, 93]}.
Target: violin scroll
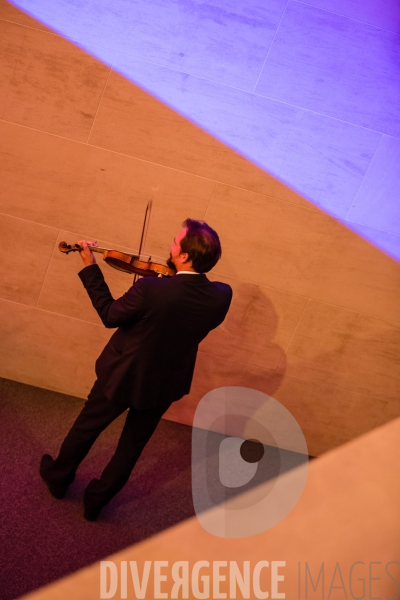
{"type": "Point", "coordinates": [66, 248]}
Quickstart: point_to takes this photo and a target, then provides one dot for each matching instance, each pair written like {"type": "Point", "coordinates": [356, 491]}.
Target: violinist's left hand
{"type": "Point", "coordinates": [86, 254]}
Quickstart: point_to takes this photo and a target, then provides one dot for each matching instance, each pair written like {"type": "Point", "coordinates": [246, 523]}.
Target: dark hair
{"type": "Point", "coordinates": [201, 244]}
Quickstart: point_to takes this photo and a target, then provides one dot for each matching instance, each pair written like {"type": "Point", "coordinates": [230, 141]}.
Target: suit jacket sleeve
{"type": "Point", "coordinates": [113, 313]}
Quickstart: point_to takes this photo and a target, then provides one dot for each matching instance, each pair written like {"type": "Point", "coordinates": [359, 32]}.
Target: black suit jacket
{"type": "Point", "coordinates": [149, 361]}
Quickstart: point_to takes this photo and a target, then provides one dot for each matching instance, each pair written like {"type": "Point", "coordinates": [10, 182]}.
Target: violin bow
{"type": "Point", "coordinates": [144, 232]}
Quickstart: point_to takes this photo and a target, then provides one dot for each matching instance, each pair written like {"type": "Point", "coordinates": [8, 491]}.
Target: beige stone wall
{"type": "Point", "coordinates": [315, 320]}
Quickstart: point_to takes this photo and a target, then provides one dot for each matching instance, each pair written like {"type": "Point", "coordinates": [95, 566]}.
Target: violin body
{"type": "Point", "coordinates": [132, 264]}
{"type": "Point", "coordinates": [122, 261]}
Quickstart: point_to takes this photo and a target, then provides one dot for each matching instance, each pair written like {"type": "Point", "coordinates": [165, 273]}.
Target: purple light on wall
{"type": "Point", "coordinates": [308, 95]}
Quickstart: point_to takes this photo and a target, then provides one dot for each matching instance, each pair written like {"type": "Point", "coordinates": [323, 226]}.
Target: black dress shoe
{"type": "Point", "coordinates": [58, 491]}
{"type": "Point", "coordinates": [92, 512]}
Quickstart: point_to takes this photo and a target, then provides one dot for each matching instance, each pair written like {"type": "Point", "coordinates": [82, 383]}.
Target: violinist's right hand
{"type": "Point", "coordinates": [86, 254]}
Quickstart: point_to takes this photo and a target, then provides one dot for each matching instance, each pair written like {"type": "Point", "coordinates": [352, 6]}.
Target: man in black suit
{"type": "Point", "coordinates": [148, 362]}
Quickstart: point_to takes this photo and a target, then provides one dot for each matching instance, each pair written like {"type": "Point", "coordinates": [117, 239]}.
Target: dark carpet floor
{"type": "Point", "coordinates": [43, 539]}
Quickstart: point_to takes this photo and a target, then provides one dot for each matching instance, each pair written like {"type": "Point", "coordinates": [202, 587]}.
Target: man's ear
{"type": "Point", "coordinates": [186, 260]}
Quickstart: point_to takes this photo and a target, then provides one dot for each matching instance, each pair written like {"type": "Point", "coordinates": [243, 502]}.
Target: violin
{"type": "Point", "coordinates": [122, 261]}
{"type": "Point", "coordinates": [128, 263]}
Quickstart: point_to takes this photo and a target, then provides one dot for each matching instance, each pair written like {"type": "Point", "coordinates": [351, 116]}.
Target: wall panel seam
{"type": "Point", "coordinates": [308, 298]}
{"type": "Point", "coordinates": [101, 98]}
{"type": "Point", "coordinates": [51, 312]}
{"type": "Point", "coordinates": [270, 46]}
{"type": "Point", "coordinates": [285, 350]}
{"type": "Point", "coordinates": [346, 16]}
{"type": "Point", "coordinates": [211, 197]}
{"type": "Point", "coordinates": [48, 266]}
{"type": "Point", "coordinates": [33, 28]}
{"type": "Point", "coordinates": [362, 180]}
{"type": "Point", "coordinates": [28, 221]}
{"type": "Point", "coordinates": [311, 381]}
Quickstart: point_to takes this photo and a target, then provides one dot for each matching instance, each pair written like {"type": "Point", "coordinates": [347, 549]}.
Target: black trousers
{"type": "Point", "coordinates": [97, 413]}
